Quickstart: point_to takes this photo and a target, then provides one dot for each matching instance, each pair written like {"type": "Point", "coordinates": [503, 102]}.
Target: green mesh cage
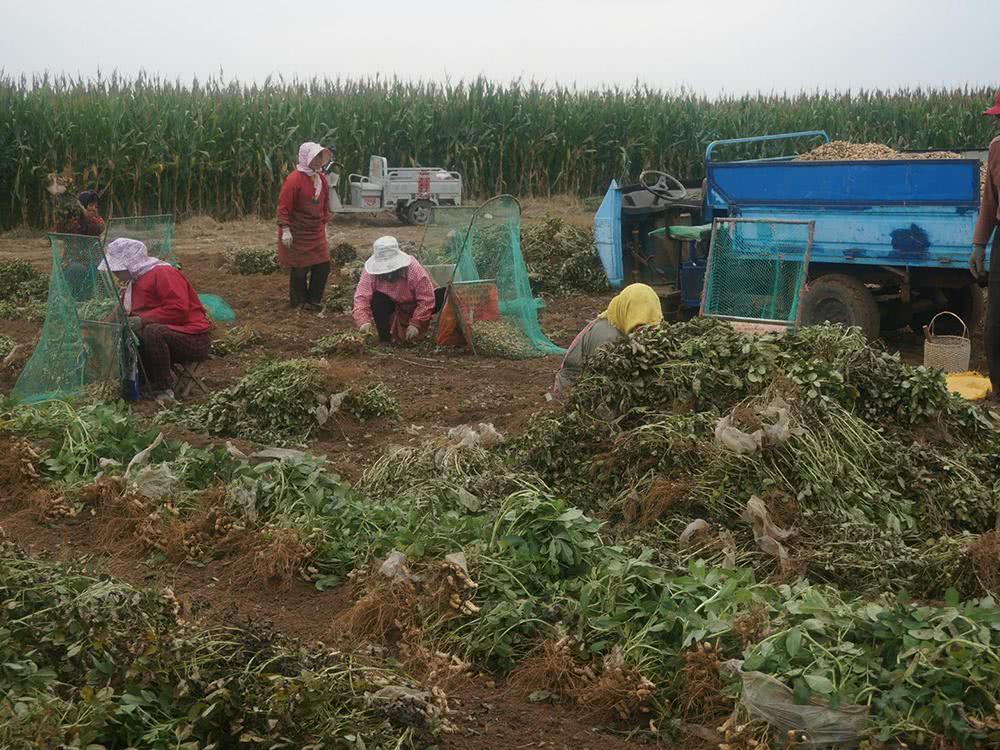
{"type": "Point", "coordinates": [444, 236]}
{"type": "Point", "coordinates": [490, 288]}
{"type": "Point", "coordinates": [85, 343]}
{"type": "Point", "coordinates": [156, 232]}
{"type": "Point", "coordinates": [756, 270]}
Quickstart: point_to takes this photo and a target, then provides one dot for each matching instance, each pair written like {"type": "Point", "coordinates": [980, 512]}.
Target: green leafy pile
{"type": "Point", "coordinates": [248, 261]}
{"type": "Point", "coordinates": [881, 458]}
{"type": "Point", "coordinates": [93, 662]}
{"type": "Point", "coordinates": [235, 339]}
{"type": "Point", "coordinates": [23, 290]}
{"type": "Point", "coordinates": [562, 257]}
{"type": "Point", "coordinates": [273, 404]}
{"type": "Point", "coordinates": [340, 343]}
{"type": "Point", "coordinates": [374, 401]}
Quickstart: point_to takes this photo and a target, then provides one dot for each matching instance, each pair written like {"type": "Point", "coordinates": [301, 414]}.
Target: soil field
{"type": "Point", "coordinates": [437, 390]}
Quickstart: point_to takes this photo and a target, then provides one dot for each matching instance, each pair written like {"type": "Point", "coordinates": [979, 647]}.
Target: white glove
{"type": "Point", "coordinates": [286, 237]}
{"type": "Point", "coordinates": [365, 328]}
{"type": "Point", "coordinates": [412, 332]}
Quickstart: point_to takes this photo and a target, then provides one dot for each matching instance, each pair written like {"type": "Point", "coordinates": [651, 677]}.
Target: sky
{"type": "Point", "coordinates": [708, 46]}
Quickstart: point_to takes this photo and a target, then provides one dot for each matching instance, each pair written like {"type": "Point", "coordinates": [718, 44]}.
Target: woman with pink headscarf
{"type": "Point", "coordinates": [163, 310]}
{"type": "Point", "coordinates": [303, 212]}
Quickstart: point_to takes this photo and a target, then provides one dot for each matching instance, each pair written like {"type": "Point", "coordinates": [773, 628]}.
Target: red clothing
{"type": "Point", "coordinates": [164, 295]}
{"type": "Point", "coordinates": [413, 295]}
{"type": "Point", "coordinates": [989, 203]}
{"type": "Point", "coordinates": [83, 224]}
{"type": "Point", "coordinates": [306, 214]}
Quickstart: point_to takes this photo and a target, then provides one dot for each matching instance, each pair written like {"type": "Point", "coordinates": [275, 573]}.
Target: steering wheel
{"type": "Point", "coordinates": [666, 187]}
{"type": "Point", "coordinates": [333, 166]}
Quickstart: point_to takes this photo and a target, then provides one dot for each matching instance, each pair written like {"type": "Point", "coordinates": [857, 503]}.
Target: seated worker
{"type": "Point", "coordinates": [88, 221]}
{"type": "Point", "coordinates": [635, 306]}
{"type": "Point", "coordinates": [395, 294]}
{"type": "Point", "coordinates": [163, 310]}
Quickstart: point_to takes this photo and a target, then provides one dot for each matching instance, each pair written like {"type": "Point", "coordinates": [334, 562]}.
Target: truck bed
{"type": "Point", "coordinates": [917, 213]}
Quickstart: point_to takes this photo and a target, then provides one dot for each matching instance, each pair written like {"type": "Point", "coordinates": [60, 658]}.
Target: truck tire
{"type": "Point", "coordinates": [836, 298]}
{"type": "Point", "coordinates": [419, 212]}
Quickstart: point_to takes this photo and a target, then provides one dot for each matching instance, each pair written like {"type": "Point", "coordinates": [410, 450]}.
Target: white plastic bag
{"type": "Point", "coordinates": [771, 700]}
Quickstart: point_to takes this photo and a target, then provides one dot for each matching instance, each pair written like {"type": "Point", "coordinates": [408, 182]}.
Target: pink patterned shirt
{"type": "Point", "coordinates": [413, 295]}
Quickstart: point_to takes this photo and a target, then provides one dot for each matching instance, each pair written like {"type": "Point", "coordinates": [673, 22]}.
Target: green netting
{"type": "Point", "coordinates": [216, 308]}
{"type": "Point", "coordinates": [491, 276]}
{"type": "Point", "coordinates": [444, 237]}
{"type": "Point", "coordinates": [157, 232]}
{"type": "Point", "coordinates": [85, 342]}
{"type": "Point", "coordinates": [756, 270]}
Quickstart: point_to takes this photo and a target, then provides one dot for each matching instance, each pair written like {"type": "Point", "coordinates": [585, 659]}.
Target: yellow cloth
{"type": "Point", "coordinates": [635, 305]}
{"type": "Point", "coordinates": [969, 385]}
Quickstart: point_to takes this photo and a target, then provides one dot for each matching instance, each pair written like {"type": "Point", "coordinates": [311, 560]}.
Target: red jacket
{"type": "Point", "coordinates": [164, 295]}
{"type": "Point", "coordinates": [306, 214]}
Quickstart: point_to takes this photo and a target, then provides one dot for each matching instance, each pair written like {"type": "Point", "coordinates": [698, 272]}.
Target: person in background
{"type": "Point", "coordinates": [80, 259]}
{"type": "Point", "coordinates": [163, 311]}
{"type": "Point", "coordinates": [989, 218]}
{"type": "Point", "coordinates": [635, 306]}
{"type": "Point", "coordinates": [88, 221]}
{"type": "Point", "coordinates": [395, 296]}
{"type": "Point", "coordinates": [303, 213]}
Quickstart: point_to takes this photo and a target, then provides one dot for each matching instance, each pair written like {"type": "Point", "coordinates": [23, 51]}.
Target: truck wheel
{"type": "Point", "coordinates": [419, 212]}
{"type": "Point", "coordinates": [836, 298]}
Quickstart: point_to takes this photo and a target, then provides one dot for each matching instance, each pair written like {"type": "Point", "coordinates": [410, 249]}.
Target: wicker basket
{"type": "Point", "coordinates": [948, 353]}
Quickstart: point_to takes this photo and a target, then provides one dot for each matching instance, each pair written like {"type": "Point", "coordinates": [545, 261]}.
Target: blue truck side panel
{"type": "Point", "coordinates": [608, 235]}
{"type": "Point", "coordinates": [850, 184]}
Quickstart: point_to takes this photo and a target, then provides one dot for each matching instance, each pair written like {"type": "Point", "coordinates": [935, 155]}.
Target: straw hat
{"type": "Point", "coordinates": [386, 257]}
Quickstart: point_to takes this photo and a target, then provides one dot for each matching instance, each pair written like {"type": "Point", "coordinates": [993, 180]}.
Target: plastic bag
{"type": "Point", "coordinates": [969, 385]}
{"type": "Point", "coordinates": [767, 534]}
{"type": "Point", "coordinates": [152, 481]}
{"type": "Point", "coordinates": [771, 700]}
{"type": "Point", "coordinates": [776, 428]}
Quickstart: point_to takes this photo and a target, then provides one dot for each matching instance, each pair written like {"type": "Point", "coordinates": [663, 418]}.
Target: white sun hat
{"type": "Point", "coordinates": [386, 257]}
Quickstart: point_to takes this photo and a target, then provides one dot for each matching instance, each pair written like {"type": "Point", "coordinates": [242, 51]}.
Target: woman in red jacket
{"type": "Point", "coordinates": [303, 212]}
{"type": "Point", "coordinates": [163, 310]}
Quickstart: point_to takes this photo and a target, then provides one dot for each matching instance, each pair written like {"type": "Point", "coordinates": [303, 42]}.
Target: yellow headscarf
{"type": "Point", "coordinates": [635, 305]}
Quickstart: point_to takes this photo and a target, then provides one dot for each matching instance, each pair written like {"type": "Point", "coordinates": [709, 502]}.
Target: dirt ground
{"type": "Point", "coordinates": [437, 390]}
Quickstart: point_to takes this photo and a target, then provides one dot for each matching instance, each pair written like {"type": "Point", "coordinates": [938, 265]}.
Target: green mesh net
{"type": "Point", "coordinates": [489, 300]}
{"type": "Point", "coordinates": [85, 343]}
{"type": "Point", "coordinates": [444, 237]}
{"type": "Point", "coordinates": [157, 232]}
{"type": "Point", "coordinates": [756, 270]}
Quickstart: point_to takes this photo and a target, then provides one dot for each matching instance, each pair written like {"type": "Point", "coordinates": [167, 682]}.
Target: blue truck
{"type": "Point", "coordinates": [891, 241]}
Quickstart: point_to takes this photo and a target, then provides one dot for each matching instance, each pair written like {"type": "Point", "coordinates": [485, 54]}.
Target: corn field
{"type": "Point", "coordinates": [223, 148]}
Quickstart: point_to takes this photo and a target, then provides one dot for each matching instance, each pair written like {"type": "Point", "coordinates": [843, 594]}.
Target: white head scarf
{"type": "Point", "coordinates": [307, 152]}
{"type": "Point", "coordinates": [129, 255]}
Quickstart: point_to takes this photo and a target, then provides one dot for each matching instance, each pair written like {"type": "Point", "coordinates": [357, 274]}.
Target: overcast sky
{"type": "Point", "coordinates": [710, 46]}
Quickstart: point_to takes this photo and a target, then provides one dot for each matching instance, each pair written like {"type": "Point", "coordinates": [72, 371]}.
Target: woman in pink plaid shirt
{"type": "Point", "coordinates": [395, 295]}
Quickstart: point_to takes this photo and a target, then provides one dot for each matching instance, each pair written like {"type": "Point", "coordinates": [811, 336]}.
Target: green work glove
{"type": "Point", "coordinates": [135, 323]}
